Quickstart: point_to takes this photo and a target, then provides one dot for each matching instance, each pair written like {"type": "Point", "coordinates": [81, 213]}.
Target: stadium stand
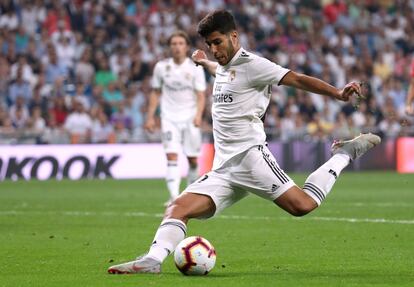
{"type": "Point", "coordinates": [79, 71]}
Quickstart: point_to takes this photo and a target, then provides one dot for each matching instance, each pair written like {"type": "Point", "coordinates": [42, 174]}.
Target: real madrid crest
{"type": "Point", "coordinates": [232, 75]}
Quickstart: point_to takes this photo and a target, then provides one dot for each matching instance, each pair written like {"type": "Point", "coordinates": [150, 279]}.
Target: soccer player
{"type": "Point", "coordinates": [243, 164]}
{"type": "Point", "coordinates": [180, 87]}
{"type": "Point", "coordinates": [409, 104]}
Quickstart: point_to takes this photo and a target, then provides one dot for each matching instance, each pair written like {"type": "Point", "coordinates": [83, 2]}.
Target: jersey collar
{"type": "Point", "coordinates": [235, 57]}
{"type": "Point", "coordinates": [178, 65]}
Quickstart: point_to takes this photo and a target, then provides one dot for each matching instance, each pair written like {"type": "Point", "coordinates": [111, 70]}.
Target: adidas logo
{"type": "Point", "coordinates": [333, 173]}
{"type": "Point", "coordinates": [274, 187]}
{"type": "Point", "coordinates": [244, 54]}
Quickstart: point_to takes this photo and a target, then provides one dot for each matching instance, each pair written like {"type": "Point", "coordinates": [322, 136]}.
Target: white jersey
{"type": "Point", "coordinates": [178, 84]}
{"type": "Point", "coordinates": [241, 94]}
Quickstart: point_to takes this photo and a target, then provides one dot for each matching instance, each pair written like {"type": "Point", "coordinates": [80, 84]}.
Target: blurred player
{"type": "Point", "coordinates": [180, 86]}
{"type": "Point", "coordinates": [243, 164]}
{"type": "Point", "coordinates": [409, 104]}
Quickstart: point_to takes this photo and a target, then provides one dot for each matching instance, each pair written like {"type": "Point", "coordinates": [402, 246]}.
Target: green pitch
{"type": "Point", "coordinates": [68, 233]}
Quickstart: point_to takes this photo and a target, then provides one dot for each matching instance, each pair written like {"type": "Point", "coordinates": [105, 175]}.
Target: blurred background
{"type": "Point", "coordinates": [78, 72]}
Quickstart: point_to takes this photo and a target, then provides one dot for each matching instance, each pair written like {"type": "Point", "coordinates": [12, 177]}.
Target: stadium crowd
{"type": "Point", "coordinates": [80, 71]}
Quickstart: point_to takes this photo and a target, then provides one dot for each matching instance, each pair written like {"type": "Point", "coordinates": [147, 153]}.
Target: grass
{"type": "Point", "coordinates": [68, 233]}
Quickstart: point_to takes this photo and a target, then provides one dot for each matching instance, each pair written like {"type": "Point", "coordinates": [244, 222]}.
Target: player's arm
{"type": "Point", "coordinates": [154, 99]}
{"type": "Point", "coordinates": [317, 86]}
{"type": "Point", "coordinates": [201, 100]}
{"type": "Point", "coordinates": [200, 58]}
{"type": "Point", "coordinates": [409, 109]}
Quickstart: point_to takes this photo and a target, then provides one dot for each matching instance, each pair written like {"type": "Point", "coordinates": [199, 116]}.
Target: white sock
{"type": "Point", "coordinates": [192, 174]}
{"type": "Point", "coordinates": [169, 234]}
{"type": "Point", "coordinates": [321, 181]}
{"type": "Point", "coordinates": [173, 179]}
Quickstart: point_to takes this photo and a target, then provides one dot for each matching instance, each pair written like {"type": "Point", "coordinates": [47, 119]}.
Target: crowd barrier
{"type": "Point", "coordinates": [129, 161]}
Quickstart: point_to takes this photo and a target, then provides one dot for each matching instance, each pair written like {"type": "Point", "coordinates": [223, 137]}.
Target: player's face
{"type": "Point", "coordinates": [178, 47]}
{"type": "Point", "coordinates": [222, 46]}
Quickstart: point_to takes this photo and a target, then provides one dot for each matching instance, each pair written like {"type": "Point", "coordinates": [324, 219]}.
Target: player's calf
{"type": "Point", "coordinates": [296, 202]}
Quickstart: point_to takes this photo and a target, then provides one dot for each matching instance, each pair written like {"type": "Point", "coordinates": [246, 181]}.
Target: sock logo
{"type": "Point", "coordinates": [333, 173]}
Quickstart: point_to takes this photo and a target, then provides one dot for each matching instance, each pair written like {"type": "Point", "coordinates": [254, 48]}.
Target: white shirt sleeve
{"type": "Point", "coordinates": [264, 72]}
{"type": "Point", "coordinates": [156, 82]}
{"type": "Point", "coordinates": [199, 80]}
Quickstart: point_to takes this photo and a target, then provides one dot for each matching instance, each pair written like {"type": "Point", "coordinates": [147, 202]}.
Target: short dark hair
{"type": "Point", "coordinates": [219, 20]}
{"type": "Point", "coordinates": [179, 33]}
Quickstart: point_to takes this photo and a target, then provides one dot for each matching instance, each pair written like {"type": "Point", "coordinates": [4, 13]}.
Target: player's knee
{"type": "Point", "coordinates": [193, 162]}
{"type": "Point", "coordinates": [300, 208]}
{"type": "Point", "coordinates": [172, 156]}
{"type": "Point", "coordinates": [178, 209]}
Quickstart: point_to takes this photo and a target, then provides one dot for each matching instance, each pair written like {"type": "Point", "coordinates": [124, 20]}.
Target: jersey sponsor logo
{"type": "Point", "coordinates": [222, 98]}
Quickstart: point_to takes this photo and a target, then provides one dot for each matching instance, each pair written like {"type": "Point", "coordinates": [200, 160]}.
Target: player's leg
{"type": "Point", "coordinates": [192, 147]}
{"type": "Point", "coordinates": [192, 170]}
{"type": "Point", "coordinates": [171, 231]}
{"type": "Point", "coordinates": [173, 176]}
{"type": "Point", "coordinates": [317, 186]}
{"type": "Point", "coordinates": [171, 138]}
{"type": "Point", "coordinates": [202, 199]}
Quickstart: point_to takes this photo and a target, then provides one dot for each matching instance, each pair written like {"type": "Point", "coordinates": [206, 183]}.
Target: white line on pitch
{"type": "Point", "coordinates": [375, 204]}
{"type": "Point", "coordinates": [236, 217]}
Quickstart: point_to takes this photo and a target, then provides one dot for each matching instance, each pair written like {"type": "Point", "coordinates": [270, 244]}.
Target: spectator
{"type": "Point", "coordinates": [78, 124]}
{"type": "Point", "coordinates": [138, 70]}
{"type": "Point", "coordinates": [59, 111]}
{"type": "Point", "coordinates": [19, 88]}
{"type": "Point", "coordinates": [113, 95]}
{"type": "Point", "coordinates": [37, 121]}
{"type": "Point", "coordinates": [54, 68]}
{"type": "Point", "coordinates": [104, 75]}
{"type": "Point", "coordinates": [25, 67]}
{"type": "Point", "coordinates": [9, 20]}
{"type": "Point", "coordinates": [84, 70]}
{"type": "Point", "coordinates": [19, 114]}
{"type": "Point", "coordinates": [102, 130]}
{"type": "Point", "coordinates": [4, 80]}
{"type": "Point", "coordinates": [106, 41]}
{"type": "Point", "coordinates": [65, 52]}
{"type": "Point", "coordinates": [389, 126]}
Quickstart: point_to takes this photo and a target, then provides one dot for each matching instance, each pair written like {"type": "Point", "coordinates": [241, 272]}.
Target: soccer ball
{"type": "Point", "coordinates": [195, 256]}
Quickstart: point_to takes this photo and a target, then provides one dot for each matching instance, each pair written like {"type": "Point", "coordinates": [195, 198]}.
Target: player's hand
{"type": "Point", "coordinates": [197, 121]}
{"type": "Point", "coordinates": [409, 110]}
{"type": "Point", "coordinates": [150, 124]}
{"type": "Point", "coordinates": [199, 57]}
{"type": "Point", "coordinates": [349, 90]}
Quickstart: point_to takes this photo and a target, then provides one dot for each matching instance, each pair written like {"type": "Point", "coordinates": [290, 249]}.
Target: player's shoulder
{"type": "Point", "coordinates": [190, 63]}
{"type": "Point", "coordinates": [247, 57]}
{"type": "Point", "coordinates": [163, 62]}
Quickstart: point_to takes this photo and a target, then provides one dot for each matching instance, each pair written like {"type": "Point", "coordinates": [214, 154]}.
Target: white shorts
{"type": "Point", "coordinates": [253, 171]}
{"type": "Point", "coordinates": [181, 136]}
